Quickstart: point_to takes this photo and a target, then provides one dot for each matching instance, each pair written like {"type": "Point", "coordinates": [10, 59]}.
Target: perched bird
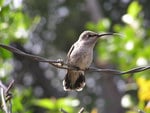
{"type": "Point", "coordinates": [80, 56]}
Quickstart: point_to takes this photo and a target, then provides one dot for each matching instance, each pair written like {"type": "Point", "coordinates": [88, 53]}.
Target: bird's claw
{"type": "Point", "coordinates": [60, 61]}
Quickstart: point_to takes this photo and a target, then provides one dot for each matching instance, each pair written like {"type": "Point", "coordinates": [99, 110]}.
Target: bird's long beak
{"type": "Point", "coordinates": [104, 34]}
{"type": "Point", "coordinates": [107, 34]}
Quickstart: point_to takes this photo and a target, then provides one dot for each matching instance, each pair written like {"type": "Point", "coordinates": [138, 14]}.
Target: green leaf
{"type": "Point", "coordinates": [134, 9]}
{"type": "Point", "coordinates": [45, 103]}
{"type": "Point", "coordinates": [17, 102]}
{"type": "Point", "coordinates": [5, 54]}
{"type": "Point", "coordinates": [1, 3]}
{"type": "Point", "coordinates": [70, 102]}
{"type": "Point", "coordinates": [56, 104]}
{"type": "Point", "coordinates": [103, 25]}
{"type": "Point", "coordinates": [90, 26]}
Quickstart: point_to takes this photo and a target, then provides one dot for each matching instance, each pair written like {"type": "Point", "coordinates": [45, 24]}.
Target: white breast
{"type": "Point", "coordinates": [81, 56]}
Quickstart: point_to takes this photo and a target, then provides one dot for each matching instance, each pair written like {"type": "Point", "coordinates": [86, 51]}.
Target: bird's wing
{"type": "Point", "coordinates": [70, 51]}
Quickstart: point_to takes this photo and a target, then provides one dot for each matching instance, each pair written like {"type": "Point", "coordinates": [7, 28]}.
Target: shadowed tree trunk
{"type": "Point", "coordinates": [111, 95]}
{"type": "Point", "coordinates": [94, 10]}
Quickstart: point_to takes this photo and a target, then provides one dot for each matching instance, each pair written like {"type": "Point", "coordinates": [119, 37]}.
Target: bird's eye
{"type": "Point", "coordinates": [89, 35]}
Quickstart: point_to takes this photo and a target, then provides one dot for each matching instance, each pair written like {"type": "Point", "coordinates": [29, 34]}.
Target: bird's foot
{"type": "Point", "coordinates": [60, 61]}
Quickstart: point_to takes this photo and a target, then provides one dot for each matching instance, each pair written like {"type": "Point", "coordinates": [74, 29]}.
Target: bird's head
{"type": "Point", "coordinates": [90, 37]}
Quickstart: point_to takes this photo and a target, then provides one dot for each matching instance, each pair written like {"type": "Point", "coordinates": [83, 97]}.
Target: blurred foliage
{"type": "Point", "coordinates": [144, 85]}
{"type": "Point", "coordinates": [21, 102]}
{"type": "Point", "coordinates": [128, 51]}
{"type": "Point", "coordinates": [54, 105]}
{"type": "Point", "coordinates": [14, 27]}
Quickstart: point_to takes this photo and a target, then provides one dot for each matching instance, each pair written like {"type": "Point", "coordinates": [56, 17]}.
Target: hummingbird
{"type": "Point", "coordinates": [80, 56]}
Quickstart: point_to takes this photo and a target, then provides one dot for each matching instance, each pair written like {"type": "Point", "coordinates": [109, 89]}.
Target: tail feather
{"type": "Point", "coordinates": [74, 80]}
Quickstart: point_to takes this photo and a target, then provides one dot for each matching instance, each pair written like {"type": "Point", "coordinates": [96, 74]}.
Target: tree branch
{"type": "Point", "coordinates": [3, 101]}
{"type": "Point", "coordinates": [81, 110]}
{"type": "Point", "coordinates": [6, 97]}
{"type": "Point", "coordinates": [63, 111]}
{"type": "Point", "coordinates": [62, 65]}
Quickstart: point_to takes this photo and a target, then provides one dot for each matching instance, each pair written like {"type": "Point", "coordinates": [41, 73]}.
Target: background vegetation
{"type": "Point", "coordinates": [48, 28]}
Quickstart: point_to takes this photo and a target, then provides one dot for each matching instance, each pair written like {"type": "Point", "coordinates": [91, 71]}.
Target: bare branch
{"type": "Point", "coordinates": [140, 111]}
{"type": "Point", "coordinates": [63, 111]}
{"type": "Point", "coordinates": [3, 100]}
{"type": "Point", "coordinates": [62, 65]}
{"type": "Point", "coordinates": [9, 87]}
{"type": "Point", "coordinates": [6, 97]}
{"type": "Point", "coordinates": [81, 110]}
{"type": "Point", "coordinates": [108, 71]}
{"type": "Point", "coordinates": [117, 72]}
{"type": "Point", "coordinates": [136, 70]}
{"type": "Point", "coordinates": [33, 57]}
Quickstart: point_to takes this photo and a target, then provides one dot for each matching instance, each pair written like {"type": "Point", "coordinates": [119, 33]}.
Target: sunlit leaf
{"type": "Point", "coordinates": [68, 102]}
{"type": "Point", "coordinates": [144, 85]}
{"type": "Point", "coordinates": [18, 105]}
{"type": "Point", "coordinates": [4, 11]}
{"type": "Point", "coordinates": [134, 9]}
{"type": "Point", "coordinates": [90, 26]}
{"type": "Point", "coordinates": [5, 54]}
{"type": "Point", "coordinates": [45, 103]}
{"type": "Point", "coordinates": [1, 3]}
{"type": "Point", "coordinates": [103, 25]}
{"type": "Point", "coordinates": [56, 104]}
